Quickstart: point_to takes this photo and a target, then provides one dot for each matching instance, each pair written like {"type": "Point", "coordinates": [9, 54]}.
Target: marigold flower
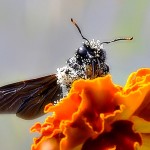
{"type": "Point", "coordinates": [98, 114]}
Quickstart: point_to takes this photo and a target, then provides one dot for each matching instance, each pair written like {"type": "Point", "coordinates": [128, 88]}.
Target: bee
{"type": "Point", "coordinates": [27, 99]}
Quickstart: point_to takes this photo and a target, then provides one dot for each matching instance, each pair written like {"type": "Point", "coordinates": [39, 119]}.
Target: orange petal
{"type": "Point", "coordinates": [91, 107]}
{"type": "Point", "coordinates": [75, 134]}
{"type": "Point", "coordinates": [87, 121]}
{"type": "Point", "coordinates": [65, 108]}
{"type": "Point", "coordinates": [82, 111]}
{"type": "Point", "coordinates": [121, 136]}
{"type": "Point", "coordinates": [50, 144]}
{"type": "Point", "coordinates": [136, 95]}
{"type": "Point", "coordinates": [141, 125]}
{"type": "Point", "coordinates": [145, 142]}
{"type": "Point", "coordinates": [144, 109]}
{"type": "Point", "coordinates": [141, 77]}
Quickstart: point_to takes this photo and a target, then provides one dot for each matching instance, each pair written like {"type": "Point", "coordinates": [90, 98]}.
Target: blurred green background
{"type": "Point", "coordinates": [36, 37]}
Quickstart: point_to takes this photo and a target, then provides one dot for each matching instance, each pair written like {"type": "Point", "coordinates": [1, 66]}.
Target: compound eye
{"type": "Point", "coordinates": [82, 51]}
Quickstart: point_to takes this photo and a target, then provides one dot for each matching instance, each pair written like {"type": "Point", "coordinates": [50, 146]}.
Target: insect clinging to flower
{"type": "Point", "coordinates": [27, 99]}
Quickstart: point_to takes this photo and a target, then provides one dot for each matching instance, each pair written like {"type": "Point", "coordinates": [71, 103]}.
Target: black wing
{"type": "Point", "coordinates": [28, 98]}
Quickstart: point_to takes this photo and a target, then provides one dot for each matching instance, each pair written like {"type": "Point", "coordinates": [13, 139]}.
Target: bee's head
{"type": "Point", "coordinates": [91, 51]}
{"type": "Point", "coordinates": [92, 54]}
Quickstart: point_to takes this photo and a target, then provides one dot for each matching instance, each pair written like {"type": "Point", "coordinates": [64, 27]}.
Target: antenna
{"type": "Point", "coordinates": [79, 30]}
{"type": "Point", "coordinates": [118, 39]}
